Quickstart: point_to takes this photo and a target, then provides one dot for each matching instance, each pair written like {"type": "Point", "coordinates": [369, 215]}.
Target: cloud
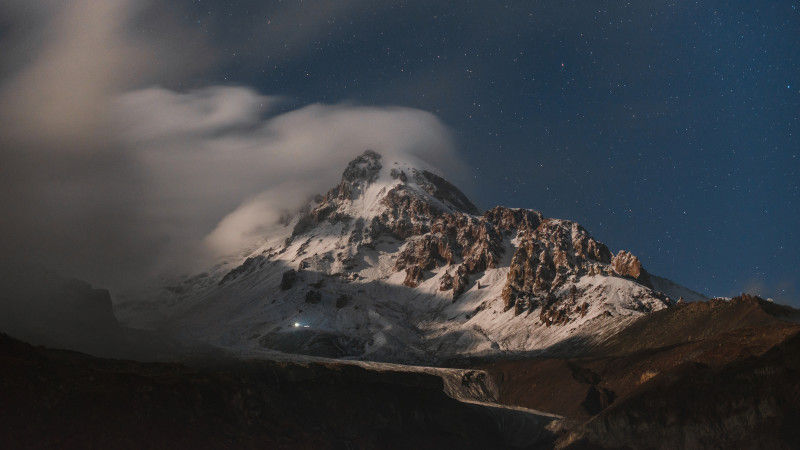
{"type": "Point", "coordinates": [254, 218]}
{"type": "Point", "coordinates": [82, 53]}
{"type": "Point", "coordinates": [161, 114]}
{"type": "Point", "coordinates": [69, 187]}
{"type": "Point", "coordinates": [110, 173]}
{"type": "Point", "coordinates": [274, 32]}
{"type": "Point", "coordinates": [216, 159]}
{"type": "Point", "coordinates": [113, 174]}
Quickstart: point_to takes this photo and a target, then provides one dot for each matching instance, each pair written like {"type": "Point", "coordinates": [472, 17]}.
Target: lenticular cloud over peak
{"type": "Point", "coordinates": [220, 159]}
{"type": "Point", "coordinates": [215, 165]}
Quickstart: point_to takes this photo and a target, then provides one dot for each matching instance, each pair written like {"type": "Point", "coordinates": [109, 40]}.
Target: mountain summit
{"type": "Point", "coordinates": [395, 263]}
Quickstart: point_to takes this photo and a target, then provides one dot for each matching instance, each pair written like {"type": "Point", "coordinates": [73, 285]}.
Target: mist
{"type": "Point", "coordinates": [113, 174]}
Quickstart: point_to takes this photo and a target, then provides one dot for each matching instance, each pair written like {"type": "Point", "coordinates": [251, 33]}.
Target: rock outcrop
{"type": "Point", "coordinates": [550, 253]}
{"type": "Point", "coordinates": [626, 264]}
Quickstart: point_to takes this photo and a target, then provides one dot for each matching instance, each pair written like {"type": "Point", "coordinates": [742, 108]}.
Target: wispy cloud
{"type": "Point", "coordinates": [105, 178]}
{"type": "Point", "coordinates": [72, 57]}
{"type": "Point", "coordinates": [206, 152]}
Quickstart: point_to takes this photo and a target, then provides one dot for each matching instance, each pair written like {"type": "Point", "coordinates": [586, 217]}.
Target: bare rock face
{"type": "Point", "coordinates": [460, 281]}
{"type": "Point", "coordinates": [472, 242]}
{"type": "Point", "coordinates": [626, 264]}
{"type": "Point", "coordinates": [421, 255]}
{"type": "Point", "coordinates": [474, 239]}
{"type": "Point", "coordinates": [411, 214]}
{"type": "Point", "coordinates": [409, 207]}
{"type": "Point", "coordinates": [555, 312]}
{"type": "Point", "coordinates": [547, 256]}
{"type": "Point", "coordinates": [407, 214]}
{"type": "Point", "coordinates": [513, 219]}
{"type": "Point", "coordinates": [364, 168]}
{"type": "Point", "coordinates": [414, 275]}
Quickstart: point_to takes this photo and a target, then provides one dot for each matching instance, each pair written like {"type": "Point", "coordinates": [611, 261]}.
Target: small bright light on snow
{"type": "Point", "coordinates": [296, 324]}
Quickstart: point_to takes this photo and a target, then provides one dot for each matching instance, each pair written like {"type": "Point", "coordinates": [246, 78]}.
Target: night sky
{"type": "Point", "coordinates": [666, 128]}
{"type": "Point", "coordinates": [669, 129]}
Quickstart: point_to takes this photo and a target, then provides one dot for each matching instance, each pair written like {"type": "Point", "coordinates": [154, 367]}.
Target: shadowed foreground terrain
{"type": "Point", "coordinates": [716, 374]}
{"type": "Point", "coordinates": [62, 399]}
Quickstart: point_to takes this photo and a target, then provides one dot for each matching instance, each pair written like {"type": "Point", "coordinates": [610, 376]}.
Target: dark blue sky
{"type": "Point", "coordinates": [666, 128]}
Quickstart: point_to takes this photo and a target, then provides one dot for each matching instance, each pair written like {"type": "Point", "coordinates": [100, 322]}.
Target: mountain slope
{"type": "Point", "coordinates": [726, 374]}
{"type": "Point", "coordinates": [395, 263]}
{"type": "Point", "coordinates": [678, 343]}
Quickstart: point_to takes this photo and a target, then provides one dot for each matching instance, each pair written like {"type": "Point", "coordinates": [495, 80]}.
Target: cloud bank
{"type": "Point", "coordinates": [221, 165]}
{"type": "Point", "coordinates": [107, 177]}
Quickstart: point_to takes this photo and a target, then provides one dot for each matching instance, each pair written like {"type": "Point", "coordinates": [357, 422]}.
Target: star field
{"type": "Point", "coordinates": [666, 128]}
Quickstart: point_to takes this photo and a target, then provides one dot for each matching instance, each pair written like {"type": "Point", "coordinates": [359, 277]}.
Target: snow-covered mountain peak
{"type": "Point", "coordinates": [371, 184]}
{"type": "Point", "coordinates": [395, 263]}
{"type": "Point", "coordinates": [379, 196]}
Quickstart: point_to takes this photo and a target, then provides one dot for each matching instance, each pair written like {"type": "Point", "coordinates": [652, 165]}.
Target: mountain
{"type": "Point", "coordinates": [714, 374]}
{"type": "Point", "coordinates": [395, 263]}
{"type": "Point", "coordinates": [44, 308]}
{"type": "Point", "coordinates": [493, 317]}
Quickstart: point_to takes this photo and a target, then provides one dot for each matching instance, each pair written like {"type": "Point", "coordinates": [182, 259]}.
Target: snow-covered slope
{"type": "Point", "coordinates": [396, 264]}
